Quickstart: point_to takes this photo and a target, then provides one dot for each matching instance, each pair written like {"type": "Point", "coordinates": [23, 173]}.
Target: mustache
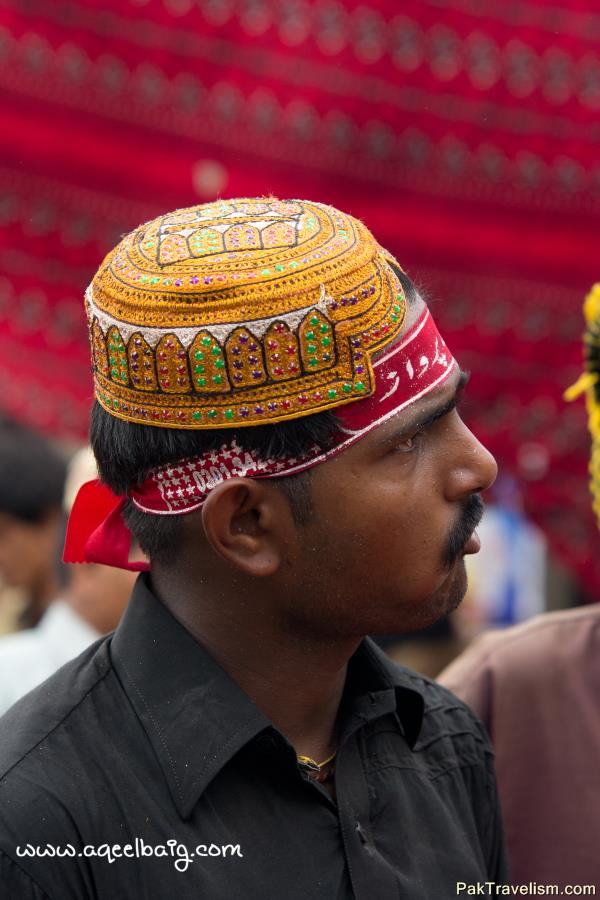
{"type": "Point", "coordinates": [470, 517]}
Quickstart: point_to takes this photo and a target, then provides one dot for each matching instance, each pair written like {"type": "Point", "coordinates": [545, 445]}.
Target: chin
{"type": "Point", "coordinates": [455, 586]}
{"type": "Point", "coordinates": [444, 600]}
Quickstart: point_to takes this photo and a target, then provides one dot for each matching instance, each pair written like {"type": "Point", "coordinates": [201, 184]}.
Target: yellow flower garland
{"type": "Point", "coordinates": [589, 382]}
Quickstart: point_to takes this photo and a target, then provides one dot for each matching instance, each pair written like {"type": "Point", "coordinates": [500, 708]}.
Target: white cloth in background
{"type": "Point", "coordinates": [29, 657]}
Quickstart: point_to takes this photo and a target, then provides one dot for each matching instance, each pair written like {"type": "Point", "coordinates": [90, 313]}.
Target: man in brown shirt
{"type": "Point", "coordinates": [537, 688]}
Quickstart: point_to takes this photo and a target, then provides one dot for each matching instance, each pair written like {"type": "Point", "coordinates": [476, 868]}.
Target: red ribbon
{"type": "Point", "coordinates": [96, 532]}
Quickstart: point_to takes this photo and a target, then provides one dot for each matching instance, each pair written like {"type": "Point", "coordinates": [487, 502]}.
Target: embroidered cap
{"type": "Point", "coordinates": [241, 312]}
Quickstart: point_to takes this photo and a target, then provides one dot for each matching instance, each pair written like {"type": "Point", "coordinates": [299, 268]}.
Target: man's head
{"type": "Point", "coordinates": [32, 474]}
{"type": "Point", "coordinates": [366, 539]}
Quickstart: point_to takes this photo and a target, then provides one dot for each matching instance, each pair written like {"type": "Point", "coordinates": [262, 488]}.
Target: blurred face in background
{"type": "Point", "coordinates": [99, 594]}
{"type": "Point", "coordinates": [28, 551]}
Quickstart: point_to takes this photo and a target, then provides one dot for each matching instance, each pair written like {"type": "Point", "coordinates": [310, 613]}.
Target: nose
{"type": "Point", "coordinates": [473, 468]}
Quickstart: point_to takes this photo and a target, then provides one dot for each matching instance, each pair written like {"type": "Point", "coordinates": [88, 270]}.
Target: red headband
{"type": "Point", "coordinates": [96, 532]}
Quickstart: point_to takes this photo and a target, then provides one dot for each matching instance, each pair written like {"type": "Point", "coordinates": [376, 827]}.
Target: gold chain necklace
{"type": "Point", "coordinates": [322, 771]}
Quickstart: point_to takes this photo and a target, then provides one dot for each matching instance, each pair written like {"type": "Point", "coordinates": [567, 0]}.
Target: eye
{"type": "Point", "coordinates": [408, 443]}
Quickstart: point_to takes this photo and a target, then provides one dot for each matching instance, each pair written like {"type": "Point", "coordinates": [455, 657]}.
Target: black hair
{"type": "Point", "coordinates": [32, 473]}
{"type": "Point", "coordinates": [127, 451]}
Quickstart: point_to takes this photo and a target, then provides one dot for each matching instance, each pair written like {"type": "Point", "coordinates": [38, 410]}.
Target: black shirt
{"type": "Point", "coordinates": [144, 748]}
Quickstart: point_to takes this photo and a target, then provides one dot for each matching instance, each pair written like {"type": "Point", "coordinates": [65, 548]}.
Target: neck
{"type": "Point", "coordinates": [297, 681]}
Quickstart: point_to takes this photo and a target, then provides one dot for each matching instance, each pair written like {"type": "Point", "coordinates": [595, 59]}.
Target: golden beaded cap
{"type": "Point", "coordinates": [241, 312]}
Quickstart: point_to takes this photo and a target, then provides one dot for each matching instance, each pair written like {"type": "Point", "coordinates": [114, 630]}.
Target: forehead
{"type": "Point", "coordinates": [418, 412]}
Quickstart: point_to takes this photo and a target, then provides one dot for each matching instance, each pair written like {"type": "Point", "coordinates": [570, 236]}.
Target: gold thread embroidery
{"type": "Point", "coordinates": [187, 288]}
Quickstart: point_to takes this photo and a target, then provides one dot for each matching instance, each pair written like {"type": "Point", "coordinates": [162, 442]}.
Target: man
{"type": "Point", "coordinates": [276, 414]}
{"type": "Point", "coordinates": [32, 477]}
{"type": "Point", "coordinates": [89, 604]}
{"type": "Point", "coordinates": [536, 687]}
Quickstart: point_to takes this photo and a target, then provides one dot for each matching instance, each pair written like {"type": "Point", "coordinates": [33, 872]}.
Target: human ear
{"type": "Point", "coordinates": [243, 521]}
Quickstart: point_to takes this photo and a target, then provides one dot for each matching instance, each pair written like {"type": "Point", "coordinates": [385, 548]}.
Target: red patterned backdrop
{"type": "Point", "coordinates": [465, 134]}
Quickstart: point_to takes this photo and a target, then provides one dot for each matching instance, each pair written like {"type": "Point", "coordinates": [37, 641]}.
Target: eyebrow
{"type": "Point", "coordinates": [424, 420]}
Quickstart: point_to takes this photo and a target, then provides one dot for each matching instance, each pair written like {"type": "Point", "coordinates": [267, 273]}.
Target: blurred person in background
{"type": "Point", "coordinates": [32, 478]}
{"type": "Point", "coordinates": [89, 605]}
{"type": "Point", "coordinates": [536, 687]}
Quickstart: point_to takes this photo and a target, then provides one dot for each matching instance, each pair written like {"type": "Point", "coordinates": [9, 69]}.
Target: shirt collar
{"type": "Point", "coordinates": [379, 685]}
{"type": "Point", "coordinates": [197, 717]}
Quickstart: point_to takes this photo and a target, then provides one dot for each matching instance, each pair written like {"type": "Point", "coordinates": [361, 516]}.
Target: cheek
{"type": "Point", "coordinates": [389, 540]}
{"type": "Point", "coordinates": [23, 553]}
{"type": "Point", "coordinates": [14, 550]}
{"type": "Point", "coordinates": [395, 525]}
